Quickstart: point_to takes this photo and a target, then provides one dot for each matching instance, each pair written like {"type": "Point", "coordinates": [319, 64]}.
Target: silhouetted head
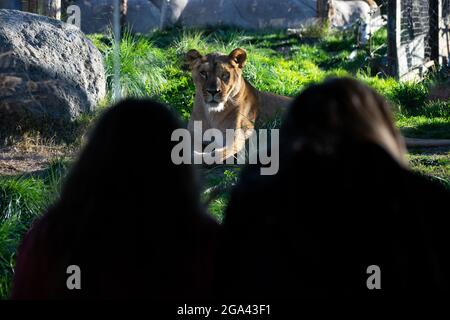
{"type": "Point", "coordinates": [216, 76]}
{"type": "Point", "coordinates": [340, 111]}
{"type": "Point", "coordinates": [126, 206]}
{"type": "Point", "coordinates": [127, 160]}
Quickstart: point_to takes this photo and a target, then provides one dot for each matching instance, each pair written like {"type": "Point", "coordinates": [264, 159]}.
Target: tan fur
{"type": "Point", "coordinates": [243, 104]}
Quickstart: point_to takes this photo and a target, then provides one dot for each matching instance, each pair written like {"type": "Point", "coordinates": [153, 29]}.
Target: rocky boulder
{"type": "Point", "coordinates": [50, 73]}
{"type": "Point", "coordinates": [366, 15]}
{"type": "Point", "coordinates": [252, 14]}
{"type": "Point", "coordinates": [146, 15]}
{"type": "Point", "coordinates": [97, 15]}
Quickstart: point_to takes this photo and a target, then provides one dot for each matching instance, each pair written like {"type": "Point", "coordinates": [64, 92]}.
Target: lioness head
{"type": "Point", "coordinates": [218, 77]}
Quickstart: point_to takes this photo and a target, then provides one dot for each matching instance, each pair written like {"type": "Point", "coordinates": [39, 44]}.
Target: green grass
{"type": "Point", "coordinates": [152, 66]}
{"type": "Point", "coordinates": [284, 64]}
{"type": "Point", "coordinates": [435, 166]}
{"type": "Point", "coordinates": [161, 54]}
{"type": "Point", "coordinates": [218, 182]}
{"type": "Point", "coordinates": [22, 199]}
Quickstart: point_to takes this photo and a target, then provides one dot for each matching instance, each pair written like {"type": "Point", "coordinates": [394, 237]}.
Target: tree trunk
{"type": "Point", "coordinates": [324, 11]}
{"type": "Point", "coordinates": [123, 14]}
{"type": "Point", "coordinates": [53, 9]}
{"type": "Point", "coordinates": [30, 6]}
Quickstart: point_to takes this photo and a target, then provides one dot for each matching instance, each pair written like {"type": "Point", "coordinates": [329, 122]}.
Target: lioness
{"type": "Point", "coordinates": [225, 100]}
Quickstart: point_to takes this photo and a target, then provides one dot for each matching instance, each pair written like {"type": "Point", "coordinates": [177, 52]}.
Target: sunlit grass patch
{"type": "Point", "coordinates": [217, 206]}
{"type": "Point", "coordinates": [436, 166]}
{"type": "Point", "coordinates": [22, 199]}
{"type": "Point", "coordinates": [141, 65]}
{"type": "Point", "coordinates": [424, 127]}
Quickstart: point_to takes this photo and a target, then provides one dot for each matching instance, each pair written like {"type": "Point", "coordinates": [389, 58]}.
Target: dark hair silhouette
{"type": "Point", "coordinates": [127, 216]}
{"type": "Point", "coordinates": [338, 112]}
{"type": "Point", "coordinates": [342, 201]}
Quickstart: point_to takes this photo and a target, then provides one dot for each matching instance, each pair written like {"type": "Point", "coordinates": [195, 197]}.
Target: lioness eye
{"type": "Point", "coordinates": [225, 76]}
{"type": "Point", "coordinates": [203, 74]}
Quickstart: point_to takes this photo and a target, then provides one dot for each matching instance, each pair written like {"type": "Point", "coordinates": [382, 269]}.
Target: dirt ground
{"type": "Point", "coordinates": [29, 155]}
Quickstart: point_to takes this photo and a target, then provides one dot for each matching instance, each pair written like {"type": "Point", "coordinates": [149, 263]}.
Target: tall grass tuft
{"type": "Point", "coordinates": [141, 66]}
{"type": "Point", "coordinates": [22, 199]}
{"type": "Point", "coordinates": [191, 39]}
{"type": "Point", "coordinates": [410, 95]}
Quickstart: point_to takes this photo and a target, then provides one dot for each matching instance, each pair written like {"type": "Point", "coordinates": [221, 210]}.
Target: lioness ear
{"type": "Point", "coordinates": [238, 56]}
{"type": "Point", "coordinates": [191, 57]}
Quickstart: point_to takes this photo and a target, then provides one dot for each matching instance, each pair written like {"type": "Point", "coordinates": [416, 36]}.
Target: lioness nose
{"type": "Point", "coordinates": [213, 91]}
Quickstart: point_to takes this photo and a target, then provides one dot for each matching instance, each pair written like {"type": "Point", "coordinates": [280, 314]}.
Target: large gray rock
{"type": "Point", "coordinates": [10, 4]}
{"type": "Point", "coordinates": [348, 13]}
{"type": "Point", "coordinates": [145, 15]}
{"type": "Point", "coordinates": [50, 73]}
{"type": "Point", "coordinates": [253, 14]}
{"type": "Point", "coordinates": [97, 15]}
